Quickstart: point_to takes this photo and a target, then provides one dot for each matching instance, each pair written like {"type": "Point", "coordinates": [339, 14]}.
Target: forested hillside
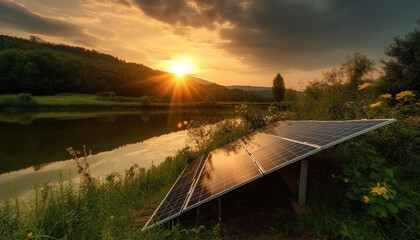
{"type": "Point", "coordinates": [40, 68]}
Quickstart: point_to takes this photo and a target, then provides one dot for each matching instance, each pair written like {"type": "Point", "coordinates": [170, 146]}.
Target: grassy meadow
{"type": "Point", "coordinates": [74, 102]}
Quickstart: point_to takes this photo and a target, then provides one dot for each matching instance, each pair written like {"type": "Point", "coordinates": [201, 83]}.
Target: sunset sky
{"type": "Point", "coordinates": [229, 42]}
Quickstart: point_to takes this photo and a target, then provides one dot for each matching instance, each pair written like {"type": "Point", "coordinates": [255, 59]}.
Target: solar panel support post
{"type": "Point", "coordinates": [220, 211]}
{"type": "Point", "coordinates": [302, 181]}
{"type": "Point", "coordinates": [196, 220]}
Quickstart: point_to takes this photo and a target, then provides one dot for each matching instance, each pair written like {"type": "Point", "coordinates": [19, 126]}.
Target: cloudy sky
{"type": "Point", "coordinates": [230, 42]}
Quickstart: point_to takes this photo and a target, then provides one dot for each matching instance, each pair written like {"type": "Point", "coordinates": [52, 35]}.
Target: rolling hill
{"type": "Point", "coordinates": [41, 68]}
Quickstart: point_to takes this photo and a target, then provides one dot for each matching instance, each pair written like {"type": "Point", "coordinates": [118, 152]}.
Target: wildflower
{"type": "Point", "coordinates": [374, 105]}
{"type": "Point", "coordinates": [346, 180]}
{"type": "Point", "coordinates": [403, 94]}
{"type": "Point", "coordinates": [379, 190]}
{"type": "Point", "coordinates": [348, 104]}
{"type": "Point", "coordinates": [30, 234]}
{"type": "Point", "coordinates": [366, 199]}
{"type": "Point", "coordinates": [364, 85]}
{"type": "Point", "coordinates": [388, 95]}
{"type": "Point", "coordinates": [112, 217]}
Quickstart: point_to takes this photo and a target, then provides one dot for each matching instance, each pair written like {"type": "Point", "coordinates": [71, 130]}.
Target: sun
{"type": "Point", "coordinates": [182, 67]}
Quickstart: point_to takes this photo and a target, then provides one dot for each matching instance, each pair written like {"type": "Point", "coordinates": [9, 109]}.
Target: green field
{"type": "Point", "coordinates": [90, 101]}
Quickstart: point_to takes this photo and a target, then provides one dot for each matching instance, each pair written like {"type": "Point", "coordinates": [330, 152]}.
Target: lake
{"type": "Point", "coordinates": [33, 145]}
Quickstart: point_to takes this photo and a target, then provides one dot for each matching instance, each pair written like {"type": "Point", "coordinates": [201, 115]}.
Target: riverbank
{"type": "Point", "coordinates": [73, 101]}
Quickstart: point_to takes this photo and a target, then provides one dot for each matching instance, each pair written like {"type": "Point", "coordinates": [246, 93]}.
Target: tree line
{"type": "Point", "coordinates": [40, 68]}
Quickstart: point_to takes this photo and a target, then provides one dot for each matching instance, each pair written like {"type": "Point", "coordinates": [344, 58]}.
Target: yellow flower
{"type": "Point", "coordinates": [346, 180]}
{"type": "Point", "coordinates": [366, 199]}
{"type": "Point", "coordinates": [364, 85]}
{"type": "Point", "coordinates": [379, 190]}
{"type": "Point", "coordinates": [112, 217]}
{"type": "Point", "coordinates": [401, 95]}
{"type": "Point", "coordinates": [30, 234]}
{"type": "Point", "coordinates": [374, 105]}
{"type": "Point", "coordinates": [388, 95]}
{"type": "Point", "coordinates": [348, 104]}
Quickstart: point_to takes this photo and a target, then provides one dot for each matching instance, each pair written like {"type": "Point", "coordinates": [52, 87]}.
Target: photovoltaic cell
{"type": "Point", "coordinates": [323, 133]}
{"type": "Point", "coordinates": [225, 169]}
{"type": "Point", "coordinates": [271, 152]}
{"type": "Point", "coordinates": [173, 203]}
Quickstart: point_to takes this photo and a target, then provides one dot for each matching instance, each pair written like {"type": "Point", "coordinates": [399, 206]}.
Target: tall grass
{"type": "Point", "coordinates": [114, 209]}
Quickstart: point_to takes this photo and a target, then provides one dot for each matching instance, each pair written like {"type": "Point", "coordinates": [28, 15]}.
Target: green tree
{"type": "Point", "coordinates": [357, 68]}
{"type": "Point", "coordinates": [278, 88]}
{"type": "Point", "coordinates": [291, 95]}
{"type": "Point", "coordinates": [402, 72]}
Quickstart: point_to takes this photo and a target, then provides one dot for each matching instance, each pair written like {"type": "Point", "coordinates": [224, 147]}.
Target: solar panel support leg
{"type": "Point", "coordinates": [220, 210]}
{"type": "Point", "coordinates": [302, 181]}
{"type": "Point", "coordinates": [198, 213]}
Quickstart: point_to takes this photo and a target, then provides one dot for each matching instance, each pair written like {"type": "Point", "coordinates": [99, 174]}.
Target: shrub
{"type": "Point", "coordinates": [21, 101]}
{"type": "Point", "coordinates": [369, 180]}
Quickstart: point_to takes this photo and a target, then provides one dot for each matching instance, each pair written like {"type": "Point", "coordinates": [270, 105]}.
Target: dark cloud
{"type": "Point", "coordinates": [298, 34]}
{"type": "Point", "coordinates": [19, 17]}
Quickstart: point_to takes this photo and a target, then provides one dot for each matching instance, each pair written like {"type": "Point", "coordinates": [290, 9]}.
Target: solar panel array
{"type": "Point", "coordinates": [251, 157]}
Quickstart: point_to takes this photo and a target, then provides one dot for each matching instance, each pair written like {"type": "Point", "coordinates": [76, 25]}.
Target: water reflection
{"type": "Point", "coordinates": [34, 144]}
{"type": "Point", "coordinates": [153, 150]}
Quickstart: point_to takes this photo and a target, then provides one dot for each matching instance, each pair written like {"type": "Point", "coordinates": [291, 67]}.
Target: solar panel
{"type": "Point", "coordinates": [226, 168]}
{"type": "Point", "coordinates": [323, 133]}
{"type": "Point", "coordinates": [272, 152]}
{"type": "Point", "coordinates": [253, 156]}
{"type": "Point", "coordinates": [173, 203]}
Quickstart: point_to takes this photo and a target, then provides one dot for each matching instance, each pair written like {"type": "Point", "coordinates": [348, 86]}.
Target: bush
{"type": "Point", "coordinates": [21, 101]}
{"type": "Point", "coordinates": [105, 95]}
{"type": "Point", "coordinates": [369, 180]}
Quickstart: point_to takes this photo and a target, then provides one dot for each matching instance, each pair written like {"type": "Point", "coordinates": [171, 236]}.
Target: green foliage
{"type": "Point", "coordinates": [179, 233]}
{"type": "Point", "coordinates": [255, 117]}
{"type": "Point", "coordinates": [203, 138]}
{"type": "Point", "coordinates": [291, 95]}
{"type": "Point", "coordinates": [357, 68]}
{"type": "Point", "coordinates": [106, 95]}
{"type": "Point", "coordinates": [278, 88]}
{"type": "Point", "coordinates": [21, 101]}
{"type": "Point", "coordinates": [369, 180]}
{"type": "Point", "coordinates": [382, 170]}
{"type": "Point", "coordinates": [402, 71]}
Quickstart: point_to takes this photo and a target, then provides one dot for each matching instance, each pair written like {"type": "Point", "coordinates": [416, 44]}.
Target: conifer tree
{"type": "Point", "coordinates": [278, 88]}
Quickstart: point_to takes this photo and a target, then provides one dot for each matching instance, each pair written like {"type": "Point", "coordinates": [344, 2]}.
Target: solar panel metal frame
{"type": "Point", "coordinates": [227, 190]}
{"type": "Point", "coordinates": [255, 161]}
{"type": "Point", "coordinates": [167, 194]}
